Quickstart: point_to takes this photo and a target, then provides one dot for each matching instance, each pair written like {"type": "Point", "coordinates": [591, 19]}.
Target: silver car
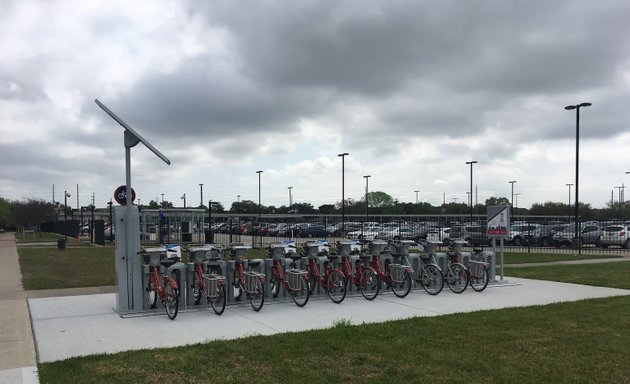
{"type": "Point", "coordinates": [616, 235]}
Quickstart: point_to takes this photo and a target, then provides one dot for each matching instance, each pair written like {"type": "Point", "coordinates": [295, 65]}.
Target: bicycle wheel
{"type": "Point", "coordinates": [151, 290]}
{"type": "Point", "coordinates": [457, 277]}
{"type": "Point", "coordinates": [479, 279]}
{"type": "Point", "coordinates": [257, 297]}
{"type": "Point", "coordinates": [336, 286]}
{"type": "Point", "coordinates": [370, 284]}
{"type": "Point", "coordinates": [431, 279]}
{"type": "Point", "coordinates": [218, 303]}
{"type": "Point", "coordinates": [312, 280]}
{"type": "Point", "coordinates": [172, 301]}
{"type": "Point", "coordinates": [275, 283]}
{"type": "Point", "coordinates": [301, 293]}
{"type": "Point", "coordinates": [196, 288]}
{"type": "Point", "coordinates": [402, 289]}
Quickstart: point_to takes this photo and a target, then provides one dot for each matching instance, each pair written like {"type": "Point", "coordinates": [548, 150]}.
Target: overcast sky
{"type": "Point", "coordinates": [411, 89]}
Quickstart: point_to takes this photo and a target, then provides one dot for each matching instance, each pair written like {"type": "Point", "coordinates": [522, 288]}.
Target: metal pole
{"type": "Point", "coordinates": [201, 192]}
{"type": "Point", "coordinates": [259, 209]}
{"type": "Point", "coordinates": [343, 197]}
{"type": "Point", "coordinates": [290, 197]}
{"type": "Point", "coordinates": [471, 191]}
{"type": "Point", "coordinates": [367, 204]}
{"type": "Point", "coordinates": [416, 191]}
{"type": "Point", "coordinates": [577, 168]}
{"type": "Point", "coordinates": [512, 201]}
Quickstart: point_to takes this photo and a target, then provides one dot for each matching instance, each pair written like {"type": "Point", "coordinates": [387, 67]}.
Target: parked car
{"type": "Point", "coordinates": [314, 231]}
{"type": "Point", "coordinates": [518, 233]}
{"type": "Point", "coordinates": [590, 234]}
{"type": "Point", "coordinates": [435, 235]}
{"type": "Point", "coordinates": [397, 234]}
{"type": "Point", "coordinates": [472, 234]}
{"type": "Point", "coordinates": [616, 235]}
{"type": "Point", "coordinates": [543, 235]}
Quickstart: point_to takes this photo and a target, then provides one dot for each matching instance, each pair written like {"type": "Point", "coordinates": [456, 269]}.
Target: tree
{"type": "Point", "coordinates": [327, 209]}
{"type": "Point", "coordinates": [32, 212]}
{"type": "Point", "coordinates": [244, 206]}
{"type": "Point", "coordinates": [5, 212]}
{"type": "Point", "coordinates": [497, 201]}
{"type": "Point", "coordinates": [303, 208]}
{"type": "Point", "coordinates": [380, 199]}
{"type": "Point", "coordinates": [153, 205]}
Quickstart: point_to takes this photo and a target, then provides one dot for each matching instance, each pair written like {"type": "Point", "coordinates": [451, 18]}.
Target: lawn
{"type": "Point", "coordinates": [576, 342]}
{"type": "Point", "coordinates": [614, 275]}
{"type": "Point", "coordinates": [524, 257]}
{"type": "Point", "coordinates": [80, 266]}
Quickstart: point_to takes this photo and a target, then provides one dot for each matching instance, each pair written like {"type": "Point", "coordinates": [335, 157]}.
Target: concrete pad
{"type": "Point", "coordinates": [23, 375]}
{"type": "Point", "coordinates": [71, 326]}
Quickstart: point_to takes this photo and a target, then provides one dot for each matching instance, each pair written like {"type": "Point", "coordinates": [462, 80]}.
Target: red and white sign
{"type": "Point", "coordinates": [120, 195]}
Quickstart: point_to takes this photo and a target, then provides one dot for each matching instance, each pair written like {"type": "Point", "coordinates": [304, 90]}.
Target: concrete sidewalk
{"type": "Point", "coordinates": [17, 349]}
{"type": "Point", "coordinates": [71, 326]}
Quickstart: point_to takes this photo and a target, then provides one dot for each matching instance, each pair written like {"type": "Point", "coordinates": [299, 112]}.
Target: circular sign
{"type": "Point", "coordinates": [120, 195]}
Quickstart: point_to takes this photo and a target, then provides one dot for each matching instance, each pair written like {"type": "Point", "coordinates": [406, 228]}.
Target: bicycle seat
{"type": "Point", "coordinates": [332, 257]}
{"type": "Point", "coordinates": [168, 262]}
{"type": "Point", "coordinates": [254, 263]}
{"type": "Point", "coordinates": [295, 257]}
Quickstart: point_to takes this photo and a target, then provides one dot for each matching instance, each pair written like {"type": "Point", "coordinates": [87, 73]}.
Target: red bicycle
{"type": "Point", "coordinates": [333, 281]}
{"type": "Point", "coordinates": [212, 284]}
{"type": "Point", "coordinates": [293, 279]}
{"type": "Point", "coordinates": [251, 282]}
{"type": "Point", "coordinates": [165, 287]}
{"type": "Point", "coordinates": [364, 277]}
{"type": "Point", "coordinates": [395, 275]}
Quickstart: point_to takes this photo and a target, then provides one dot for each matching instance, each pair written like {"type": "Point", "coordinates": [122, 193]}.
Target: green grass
{"type": "Point", "coordinates": [21, 237]}
{"type": "Point", "coordinates": [578, 342]}
{"type": "Point", "coordinates": [614, 275]}
{"type": "Point", "coordinates": [524, 257]}
{"type": "Point", "coordinates": [81, 266]}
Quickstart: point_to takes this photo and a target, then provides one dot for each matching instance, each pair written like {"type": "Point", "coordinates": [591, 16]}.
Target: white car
{"type": "Point", "coordinates": [615, 235]}
{"type": "Point", "coordinates": [365, 234]}
{"type": "Point", "coordinates": [439, 235]}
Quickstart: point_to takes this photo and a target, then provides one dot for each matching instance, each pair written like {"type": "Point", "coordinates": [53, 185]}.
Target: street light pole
{"type": "Point", "coordinates": [201, 192]}
{"type": "Point", "coordinates": [512, 201]}
{"type": "Point", "coordinates": [65, 212]}
{"type": "Point", "coordinates": [259, 208]}
{"type": "Point", "coordinates": [367, 205]}
{"type": "Point", "coordinates": [416, 191]}
{"type": "Point", "coordinates": [471, 192]}
{"type": "Point", "coordinates": [290, 197]}
{"type": "Point", "coordinates": [569, 185]}
{"type": "Point", "coordinates": [184, 198]}
{"type": "Point", "coordinates": [577, 166]}
{"type": "Point", "coordinates": [343, 197]}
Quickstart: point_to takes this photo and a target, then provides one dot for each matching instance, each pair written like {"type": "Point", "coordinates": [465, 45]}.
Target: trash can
{"type": "Point", "coordinates": [61, 244]}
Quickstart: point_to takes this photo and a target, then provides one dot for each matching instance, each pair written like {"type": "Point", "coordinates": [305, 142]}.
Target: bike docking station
{"type": "Point", "coordinates": [318, 251]}
{"type": "Point", "coordinates": [130, 296]}
{"type": "Point", "coordinates": [350, 249]}
{"type": "Point", "coordinates": [279, 252]}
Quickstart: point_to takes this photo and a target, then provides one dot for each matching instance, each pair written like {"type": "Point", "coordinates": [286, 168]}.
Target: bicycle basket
{"type": "Point", "coordinates": [251, 280]}
{"type": "Point", "coordinates": [397, 272]}
{"type": "Point", "coordinates": [476, 267]}
{"type": "Point", "coordinates": [294, 278]}
{"type": "Point", "coordinates": [212, 285]}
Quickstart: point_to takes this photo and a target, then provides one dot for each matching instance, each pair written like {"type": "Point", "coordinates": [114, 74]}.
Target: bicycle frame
{"type": "Point", "coordinates": [322, 280]}
{"type": "Point", "coordinates": [160, 286]}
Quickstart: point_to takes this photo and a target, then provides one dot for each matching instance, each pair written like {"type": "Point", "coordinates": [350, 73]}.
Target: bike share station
{"type": "Point", "coordinates": [133, 268]}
